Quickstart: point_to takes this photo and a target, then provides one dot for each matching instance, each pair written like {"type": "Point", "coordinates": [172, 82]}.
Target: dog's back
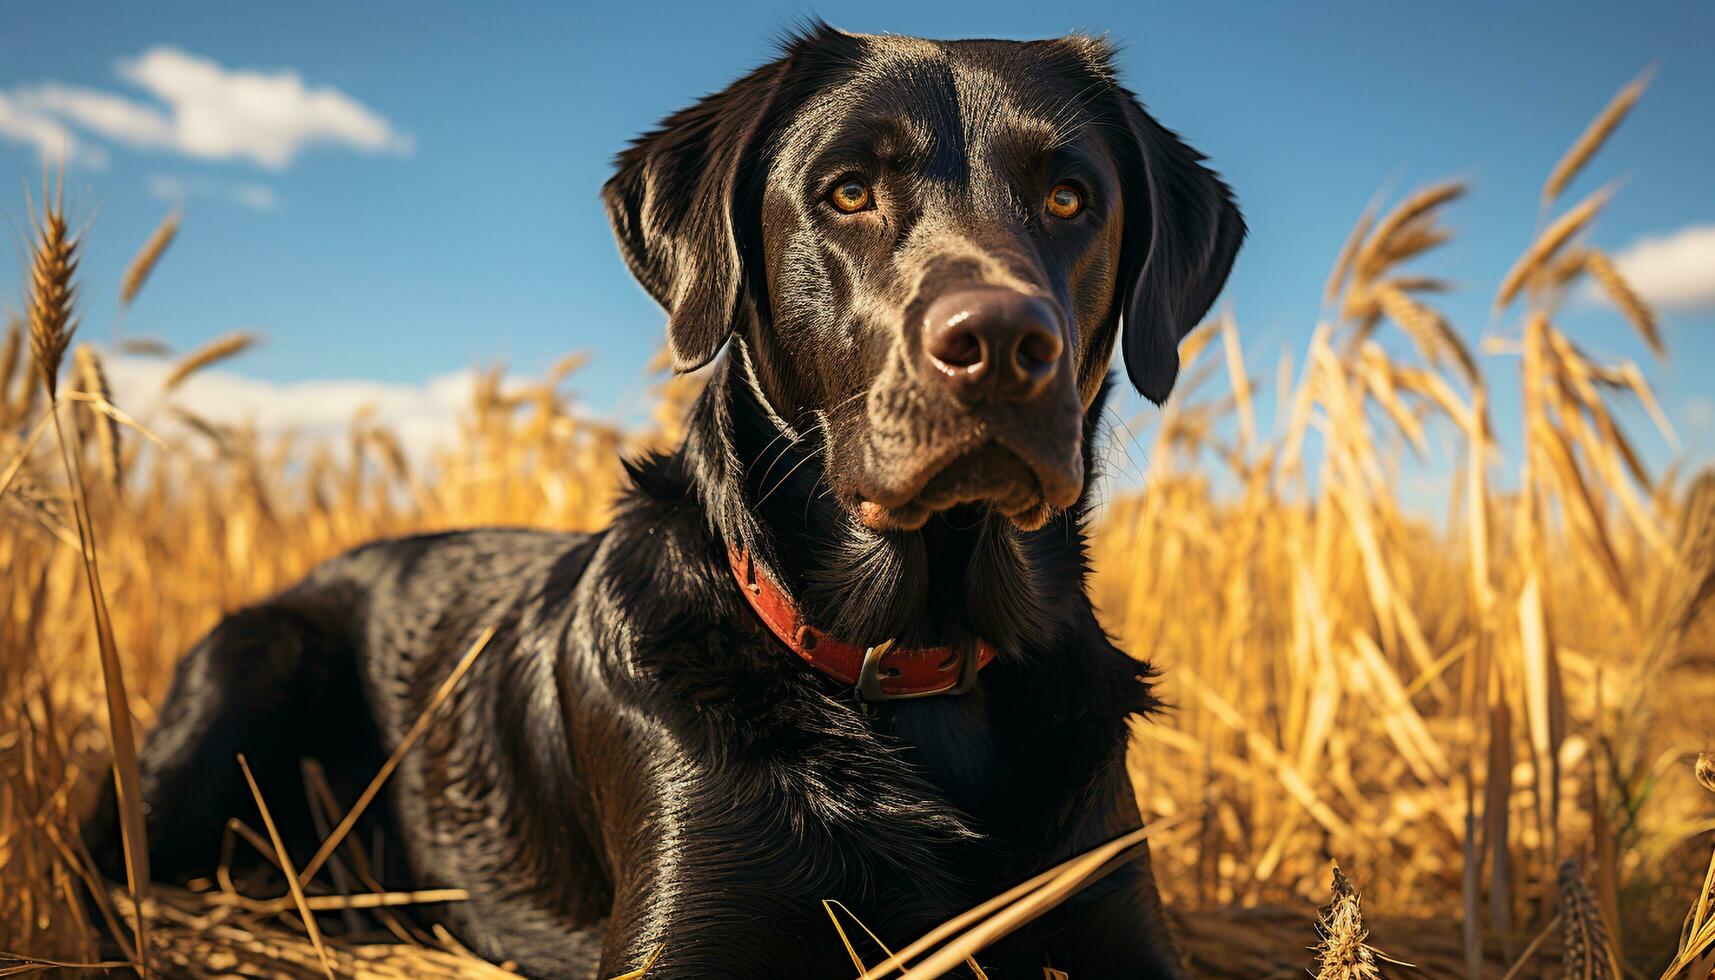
{"type": "Point", "coordinates": [338, 669]}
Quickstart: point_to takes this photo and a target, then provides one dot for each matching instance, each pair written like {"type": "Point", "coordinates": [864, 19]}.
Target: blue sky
{"type": "Point", "coordinates": [449, 216]}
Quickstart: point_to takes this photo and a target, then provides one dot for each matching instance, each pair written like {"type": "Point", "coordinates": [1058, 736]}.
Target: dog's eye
{"type": "Point", "coordinates": [1064, 201]}
{"type": "Point", "coordinates": [851, 195]}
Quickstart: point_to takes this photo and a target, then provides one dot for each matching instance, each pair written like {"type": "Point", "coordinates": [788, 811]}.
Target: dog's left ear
{"type": "Point", "coordinates": [676, 206]}
{"type": "Point", "coordinates": [1174, 265]}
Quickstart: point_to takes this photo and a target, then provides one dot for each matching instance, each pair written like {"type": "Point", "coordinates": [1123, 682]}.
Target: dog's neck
{"type": "Point", "coordinates": [966, 574]}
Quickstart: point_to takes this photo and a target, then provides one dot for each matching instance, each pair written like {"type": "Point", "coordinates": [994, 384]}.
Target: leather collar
{"type": "Point", "coordinates": [883, 672]}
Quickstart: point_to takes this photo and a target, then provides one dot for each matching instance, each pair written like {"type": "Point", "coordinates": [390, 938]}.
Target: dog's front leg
{"type": "Point", "coordinates": [715, 912]}
{"type": "Point", "coordinates": [1115, 927]}
{"type": "Point", "coordinates": [707, 877]}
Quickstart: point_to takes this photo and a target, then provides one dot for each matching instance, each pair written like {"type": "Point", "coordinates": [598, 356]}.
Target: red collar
{"type": "Point", "coordinates": [882, 672]}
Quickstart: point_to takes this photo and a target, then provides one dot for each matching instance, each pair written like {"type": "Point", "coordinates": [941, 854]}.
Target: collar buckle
{"type": "Point", "coordinates": [869, 688]}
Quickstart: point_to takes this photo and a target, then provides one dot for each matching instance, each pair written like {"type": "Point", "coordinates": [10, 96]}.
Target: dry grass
{"type": "Point", "coordinates": [1344, 952]}
{"type": "Point", "coordinates": [1452, 707]}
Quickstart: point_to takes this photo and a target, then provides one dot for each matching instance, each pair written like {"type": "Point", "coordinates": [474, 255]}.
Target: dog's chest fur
{"type": "Point", "coordinates": [934, 804]}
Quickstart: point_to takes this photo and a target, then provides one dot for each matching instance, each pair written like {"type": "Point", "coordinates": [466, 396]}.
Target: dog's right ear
{"type": "Point", "coordinates": [676, 207]}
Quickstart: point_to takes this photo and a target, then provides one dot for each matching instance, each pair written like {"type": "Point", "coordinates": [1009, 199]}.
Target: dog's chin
{"type": "Point", "coordinates": [990, 475]}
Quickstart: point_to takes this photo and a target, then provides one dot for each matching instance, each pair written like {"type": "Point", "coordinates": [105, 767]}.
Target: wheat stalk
{"type": "Point", "coordinates": [28, 393]}
{"type": "Point", "coordinates": [968, 933]}
{"type": "Point", "coordinates": [137, 273]}
{"type": "Point", "coordinates": [1698, 922]}
{"type": "Point", "coordinates": [1344, 953]}
{"type": "Point", "coordinates": [144, 347]}
{"type": "Point", "coordinates": [1420, 284]}
{"type": "Point", "coordinates": [13, 344]}
{"type": "Point", "coordinates": [52, 320]}
{"type": "Point", "coordinates": [1370, 257]}
{"type": "Point", "coordinates": [1412, 240]}
{"type": "Point", "coordinates": [1593, 137]}
{"type": "Point", "coordinates": [1348, 251]}
{"type": "Point", "coordinates": [1543, 250]}
{"type": "Point", "coordinates": [416, 730]}
{"type": "Point", "coordinates": [92, 379]}
{"type": "Point", "coordinates": [1427, 329]}
{"type": "Point", "coordinates": [1584, 947]}
{"type": "Point", "coordinates": [1559, 273]}
{"type": "Point", "coordinates": [215, 350]}
{"type": "Point", "coordinates": [392, 453]}
{"type": "Point", "coordinates": [1626, 299]}
{"type": "Point", "coordinates": [285, 861]}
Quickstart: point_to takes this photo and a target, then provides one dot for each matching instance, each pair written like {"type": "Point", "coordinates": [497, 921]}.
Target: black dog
{"type": "Point", "coordinates": [838, 645]}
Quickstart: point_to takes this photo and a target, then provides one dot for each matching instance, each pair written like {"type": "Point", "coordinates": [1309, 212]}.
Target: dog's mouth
{"type": "Point", "coordinates": [1026, 491]}
{"type": "Point", "coordinates": [915, 453]}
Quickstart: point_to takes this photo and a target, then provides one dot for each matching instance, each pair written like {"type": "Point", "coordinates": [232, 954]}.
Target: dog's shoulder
{"type": "Point", "coordinates": [415, 604]}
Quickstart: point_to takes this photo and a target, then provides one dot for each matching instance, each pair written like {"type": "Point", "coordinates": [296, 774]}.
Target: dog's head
{"type": "Point", "coordinates": [927, 249]}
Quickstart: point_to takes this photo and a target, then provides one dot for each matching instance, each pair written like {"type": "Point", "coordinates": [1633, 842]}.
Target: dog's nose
{"type": "Point", "coordinates": [992, 342]}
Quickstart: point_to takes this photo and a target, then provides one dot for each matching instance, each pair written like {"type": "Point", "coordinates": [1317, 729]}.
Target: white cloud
{"type": "Point", "coordinates": [112, 115]}
{"type": "Point", "coordinates": [211, 112]}
{"type": "Point", "coordinates": [424, 416]}
{"type": "Point", "coordinates": [21, 123]}
{"type": "Point", "coordinates": [1673, 271]}
{"type": "Point", "coordinates": [258, 197]}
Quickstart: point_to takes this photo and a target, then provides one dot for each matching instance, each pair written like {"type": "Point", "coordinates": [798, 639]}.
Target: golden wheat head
{"type": "Point", "coordinates": [1584, 947]}
{"type": "Point", "coordinates": [53, 294]}
{"type": "Point", "coordinates": [1344, 953]}
{"type": "Point", "coordinates": [1541, 253]}
{"type": "Point", "coordinates": [137, 273]}
{"type": "Point", "coordinates": [1625, 299]}
{"type": "Point", "coordinates": [92, 380]}
{"type": "Point", "coordinates": [1406, 230]}
{"type": "Point", "coordinates": [215, 350]}
{"type": "Point", "coordinates": [1593, 137]}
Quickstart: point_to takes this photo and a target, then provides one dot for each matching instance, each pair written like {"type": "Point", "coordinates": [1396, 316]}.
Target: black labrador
{"type": "Point", "coordinates": [838, 644]}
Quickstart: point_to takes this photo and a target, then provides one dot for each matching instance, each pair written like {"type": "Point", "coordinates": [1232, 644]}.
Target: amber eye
{"type": "Point", "coordinates": [1064, 201]}
{"type": "Point", "coordinates": [850, 195]}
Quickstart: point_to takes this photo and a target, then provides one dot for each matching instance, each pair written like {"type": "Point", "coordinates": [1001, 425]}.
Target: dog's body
{"type": "Point", "coordinates": [635, 760]}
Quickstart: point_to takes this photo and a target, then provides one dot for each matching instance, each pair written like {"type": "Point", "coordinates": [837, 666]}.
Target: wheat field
{"type": "Point", "coordinates": [1471, 738]}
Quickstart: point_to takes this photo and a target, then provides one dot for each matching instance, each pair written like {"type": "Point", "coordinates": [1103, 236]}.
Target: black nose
{"type": "Point", "coordinates": [992, 342]}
